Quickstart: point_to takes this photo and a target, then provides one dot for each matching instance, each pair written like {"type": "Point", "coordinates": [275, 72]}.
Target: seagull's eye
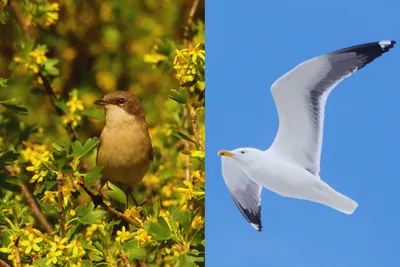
{"type": "Point", "coordinates": [121, 101]}
{"type": "Point", "coordinates": [242, 152]}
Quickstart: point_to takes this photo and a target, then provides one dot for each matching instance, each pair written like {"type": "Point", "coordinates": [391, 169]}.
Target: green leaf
{"type": "Point", "coordinates": [179, 96]}
{"type": "Point", "coordinates": [49, 67]}
{"type": "Point", "coordinates": [81, 151]}
{"type": "Point", "coordinates": [116, 193]}
{"type": "Point", "coordinates": [3, 82]}
{"type": "Point", "coordinates": [93, 175]}
{"type": "Point", "coordinates": [9, 182]}
{"type": "Point", "coordinates": [133, 251]}
{"type": "Point", "coordinates": [157, 207]}
{"type": "Point", "coordinates": [41, 262]}
{"type": "Point", "coordinates": [61, 105]}
{"type": "Point", "coordinates": [8, 157]}
{"type": "Point", "coordinates": [87, 215]}
{"type": "Point", "coordinates": [57, 147]}
{"type": "Point", "coordinates": [14, 105]}
{"type": "Point", "coordinates": [71, 231]}
{"type": "Point", "coordinates": [185, 260]}
{"type": "Point", "coordinates": [83, 210]}
{"type": "Point", "coordinates": [92, 217]}
{"type": "Point", "coordinates": [183, 217]}
{"type": "Point", "coordinates": [94, 113]}
{"type": "Point", "coordinates": [10, 186]}
{"type": "Point", "coordinates": [160, 230]}
{"type": "Point", "coordinates": [185, 137]}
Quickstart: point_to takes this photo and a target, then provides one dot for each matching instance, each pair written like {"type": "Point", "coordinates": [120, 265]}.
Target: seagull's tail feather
{"type": "Point", "coordinates": [329, 197]}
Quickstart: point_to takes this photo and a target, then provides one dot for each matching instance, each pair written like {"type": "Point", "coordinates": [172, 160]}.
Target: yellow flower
{"type": "Point", "coordinates": [31, 243]}
{"type": "Point", "coordinates": [169, 202]}
{"type": "Point", "coordinates": [189, 191]}
{"type": "Point", "coordinates": [151, 181]}
{"type": "Point", "coordinates": [134, 213]}
{"type": "Point", "coordinates": [142, 236]}
{"type": "Point", "coordinates": [49, 197]}
{"type": "Point", "coordinates": [123, 235]}
{"type": "Point", "coordinates": [154, 58]}
{"type": "Point", "coordinates": [76, 248]}
{"type": "Point", "coordinates": [38, 56]}
{"type": "Point", "coordinates": [167, 190]}
{"type": "Point", "coordinates": [75, 104]}
{"type": "Point", "coordinates": [33, 152]}
{"type": "Point", "coordinates": [52, 257]}
{"type": "Point", "coordinates": [66, 192]}
{"type": "Point", "coordinates": [197, 222]}
{"type": "Point", "coordinates": [198, 178]}
{"type": "Point", "coordinates": [187, 63]}
{"type": "Point", "coordinates": [51, 15]}
{"type": "Point", "coordinates": [30, 230]}
{"type": "Point", "coordinates": [165, 214]}
{"type": "Point", "coordinates": [39, 174]}
{"type": "Point", "coordinates": [58, 243]}
{"type": "Point", "coordinates": [73, 119]}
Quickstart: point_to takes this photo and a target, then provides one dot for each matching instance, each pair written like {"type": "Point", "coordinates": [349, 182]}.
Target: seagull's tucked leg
{"type": "Point", "coordinates": [326, 195]}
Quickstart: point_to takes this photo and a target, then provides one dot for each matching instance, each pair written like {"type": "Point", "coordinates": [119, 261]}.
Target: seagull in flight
{"type": "Point", "coordinates": [291, 166]}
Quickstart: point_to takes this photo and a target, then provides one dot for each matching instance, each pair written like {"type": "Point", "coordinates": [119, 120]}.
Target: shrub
{"type": "Point", "coordinates": [57, 58]}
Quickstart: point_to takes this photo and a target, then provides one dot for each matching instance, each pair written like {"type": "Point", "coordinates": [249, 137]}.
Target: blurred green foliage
{"type": "Point", "coordinates": [56, 58]}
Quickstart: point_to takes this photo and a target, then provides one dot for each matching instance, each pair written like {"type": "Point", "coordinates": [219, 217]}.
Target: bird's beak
{"type": "Point", "coordinates": [100, 102]}
{"type": "Point", "coordinates": [225, 153]}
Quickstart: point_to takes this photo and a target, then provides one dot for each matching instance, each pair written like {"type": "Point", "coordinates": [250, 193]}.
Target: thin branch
{"type": "Point", "coordinates": [125, 260]}
{"type": "Point", "coordinates": [142, 264]}
{"type": "Point", "coordinates": [26, 28]}
{"type": "Point", "coordinates": [192, 11]}
{"type": "Point", "coordinates": [98, 201]}
{"type": "Point", "coordinates": [187, 144]}
{"type": "Point", "coordinates": [53, 98]}
{"type": "Point", "coordinates": [61, 205]}
{"type": "Point", "coordinates": [35, 209]}
{"type": "Point", "coordinates": [17, 256]}
{"type": "Point", "coordinates": [4, 264]}
{"type": "Point", "coordinates": [195, 128]}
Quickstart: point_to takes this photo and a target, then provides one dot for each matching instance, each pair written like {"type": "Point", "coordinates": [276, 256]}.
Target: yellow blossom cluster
{"type": "Point", "coordinates": [188, 63]}
{"type": "Point", "coordinates": [187, 193]}
{"type": "Point", "coordinates": [35, 59]}
{"type": "Point", "coordinates": [50, 13]}
{"type": "Point", "coordinates": [37, 156]}
{"type": "Point", "coordinates": [75, 108]}
{"type": "Point", "coordinates": [142, 236]}
{"type": "Point", "coordinates": [134, 213]}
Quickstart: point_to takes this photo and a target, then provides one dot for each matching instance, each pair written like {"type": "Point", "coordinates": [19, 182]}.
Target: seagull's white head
{"type": "Point", "coordinates": [243, 155]}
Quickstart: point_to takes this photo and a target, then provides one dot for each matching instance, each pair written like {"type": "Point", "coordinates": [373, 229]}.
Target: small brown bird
{"type": "Point", "coordinates": [125, 151]}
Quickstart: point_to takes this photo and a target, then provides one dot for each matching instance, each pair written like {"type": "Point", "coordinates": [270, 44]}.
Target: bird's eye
{"type": "Point", "coordinates": [121, 101]}
{"type": "Point", "coordinates": [242, 152]}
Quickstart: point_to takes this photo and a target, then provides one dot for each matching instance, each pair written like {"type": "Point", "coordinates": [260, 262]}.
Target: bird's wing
{"type": "Point", "coordinates": [245, 193]}
{"type": "Point", "coordinates": [300, 96]}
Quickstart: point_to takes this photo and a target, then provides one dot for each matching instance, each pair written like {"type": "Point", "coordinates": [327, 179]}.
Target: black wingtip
{"type": "Point", "coordinates": [386, 45]}
{"type": "Point", "coordinates": [254, 218]}
{"type": "Point", "coordinates": [374, 49]}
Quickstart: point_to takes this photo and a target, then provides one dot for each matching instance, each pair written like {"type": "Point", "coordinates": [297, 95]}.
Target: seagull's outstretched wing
{"type": "Point", "coordinates": [300, 96]}
{"type": "Point", "coordinates": [245, 193]}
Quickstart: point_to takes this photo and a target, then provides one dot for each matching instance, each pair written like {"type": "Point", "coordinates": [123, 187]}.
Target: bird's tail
{"type": "Point", "coordinates": [329, 197]}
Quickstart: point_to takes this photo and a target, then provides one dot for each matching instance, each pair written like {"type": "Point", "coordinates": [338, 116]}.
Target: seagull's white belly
{"type": "Point", "coordinates": [283, 177]}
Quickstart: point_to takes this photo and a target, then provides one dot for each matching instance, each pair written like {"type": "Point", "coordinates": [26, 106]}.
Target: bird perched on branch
{"type": "Point", "coordinates": [125, 151]}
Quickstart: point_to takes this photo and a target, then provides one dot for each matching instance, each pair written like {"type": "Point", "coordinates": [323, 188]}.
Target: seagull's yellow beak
{"type": "Point", "coordinates": [225, 153]}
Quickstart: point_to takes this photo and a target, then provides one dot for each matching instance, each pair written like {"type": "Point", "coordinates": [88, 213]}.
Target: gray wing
{"type": "Point", "coordinates": [300, 97]}
{"type": "Point", "coordinates": [245, 193]}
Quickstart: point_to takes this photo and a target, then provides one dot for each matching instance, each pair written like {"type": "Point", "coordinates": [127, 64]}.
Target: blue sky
{"type": "Point", "coordinates": [249, 45]}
